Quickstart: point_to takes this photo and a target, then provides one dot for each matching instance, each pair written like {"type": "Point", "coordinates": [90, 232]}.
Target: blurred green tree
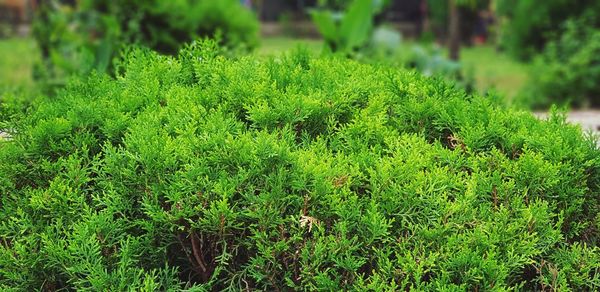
{"type": "Point", "coordinates": [530, 24]}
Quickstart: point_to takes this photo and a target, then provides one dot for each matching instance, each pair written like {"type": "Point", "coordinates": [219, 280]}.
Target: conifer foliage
{"type": "Point", "coordinates": [200, 172]}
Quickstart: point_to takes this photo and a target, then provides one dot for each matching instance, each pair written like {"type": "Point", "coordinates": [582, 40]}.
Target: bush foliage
{"type": "Point", "coordinates": [533, 23]}
{"type": "Point", "coordinates": [86, 37]}
{"type": "Point", "coordinates": [568, 71]}
{"type": "Point", "coordinates": [294, 173]}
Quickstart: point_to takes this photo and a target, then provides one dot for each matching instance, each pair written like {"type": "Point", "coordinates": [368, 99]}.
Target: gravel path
{"type": "Point", "coordinates": [589, 120]}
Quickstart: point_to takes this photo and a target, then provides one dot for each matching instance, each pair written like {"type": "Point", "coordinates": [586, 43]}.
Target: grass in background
{"type": "Point", "coordinates": [276, 45]}
{"type": "Point", "coordinates": [493, 69]}
{"type": "Point", "coordinates": [17, 56]}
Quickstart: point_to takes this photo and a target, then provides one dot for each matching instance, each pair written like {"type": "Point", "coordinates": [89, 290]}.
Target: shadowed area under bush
{"type": "Point", "coordinates": [292, 173]}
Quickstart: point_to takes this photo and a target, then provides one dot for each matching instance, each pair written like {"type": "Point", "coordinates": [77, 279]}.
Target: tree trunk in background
{"type": "Point", "coordinates": [454, 31]}
{"type": "Point", "coordinates": [425, 21]}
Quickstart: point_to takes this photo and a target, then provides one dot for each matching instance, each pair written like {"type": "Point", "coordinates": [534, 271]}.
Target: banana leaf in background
{"type": "Point", "coordinates": [351, 29]}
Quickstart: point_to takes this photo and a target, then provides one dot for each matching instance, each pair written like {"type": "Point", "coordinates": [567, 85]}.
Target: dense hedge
{"type": "Point", "coordinates": [202, 172]}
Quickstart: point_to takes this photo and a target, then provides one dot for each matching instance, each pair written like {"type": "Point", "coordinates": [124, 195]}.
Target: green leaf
{"type": "Point", "coordinates": [357, 24]}
{"type": "Point", "coordinates": [103, 55]}
{"type": "Point", "coordinates": [325, 23]}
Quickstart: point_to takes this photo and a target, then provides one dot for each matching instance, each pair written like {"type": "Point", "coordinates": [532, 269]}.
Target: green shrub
{"type": "Point", "coordinates": [568, 71]}
{"type": "Point", "coordinates": [293, 173]}
{"type": "Point", "coordinates": [532, 23]}
{"type": "Point", "coordinates": [87, 37]}
{"type": "Point", "coordinates": [425, 58]}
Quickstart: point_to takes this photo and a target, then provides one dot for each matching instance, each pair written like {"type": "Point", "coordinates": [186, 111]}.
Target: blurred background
{"type": "Point", "coordinates": [530, 53]}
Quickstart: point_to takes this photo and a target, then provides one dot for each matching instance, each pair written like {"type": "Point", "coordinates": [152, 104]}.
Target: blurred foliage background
{"type": "Point", "coordinates": [535, 53]}
{"type": "Point", "coordinates": [86, 36]}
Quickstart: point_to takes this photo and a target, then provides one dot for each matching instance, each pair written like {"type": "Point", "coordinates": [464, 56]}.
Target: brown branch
{"type": "Point", "coordinates": [187, 253]}
{"type": "Point", "coordinates": [197, 252]}
{"type": "Point", "coordinates": [495, 196]}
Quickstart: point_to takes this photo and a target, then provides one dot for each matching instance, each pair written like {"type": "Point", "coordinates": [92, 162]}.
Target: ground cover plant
{"type": "Point", "coordinates": [201, 172]}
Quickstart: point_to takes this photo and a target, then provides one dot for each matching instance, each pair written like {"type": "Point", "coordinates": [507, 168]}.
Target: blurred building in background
{"type": "Point", "coordinates": [15, 15]}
